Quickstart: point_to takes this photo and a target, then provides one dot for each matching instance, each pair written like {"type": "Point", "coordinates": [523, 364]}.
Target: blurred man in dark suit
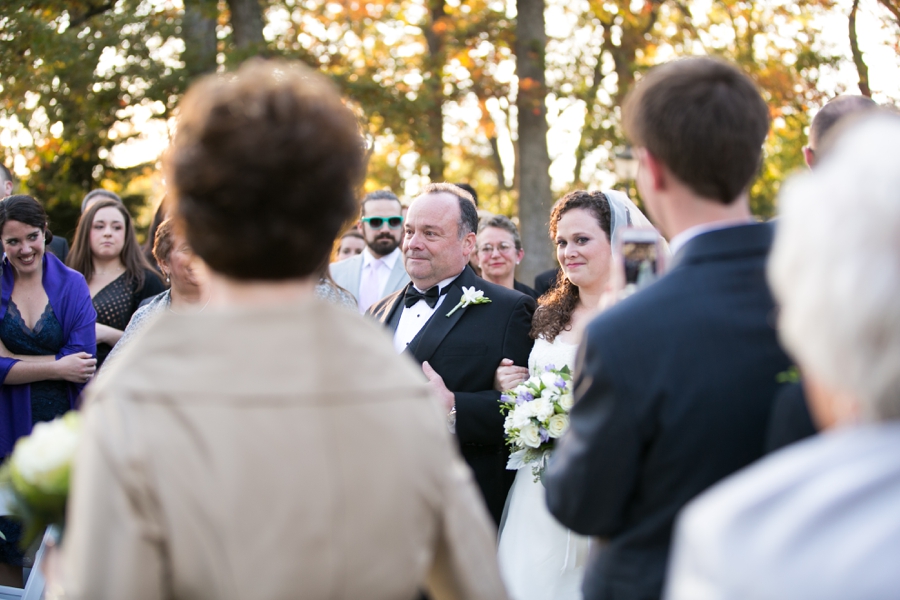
{"type": "Point", "coordinates": [674, 385]}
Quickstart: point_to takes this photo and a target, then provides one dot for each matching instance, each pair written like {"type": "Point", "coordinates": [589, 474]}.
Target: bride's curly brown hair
{"type": "Point", "coordinates": [555, 307]}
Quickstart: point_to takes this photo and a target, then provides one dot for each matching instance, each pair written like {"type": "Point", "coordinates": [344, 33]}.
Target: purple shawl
{"type": "Point", "coordinates": [70, 300]}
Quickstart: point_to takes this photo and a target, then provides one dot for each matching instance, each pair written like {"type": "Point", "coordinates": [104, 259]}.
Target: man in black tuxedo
{"type": "Point", "coordinates": [674, 385]}
{"type": "Point", "coordinates": [459, 348]}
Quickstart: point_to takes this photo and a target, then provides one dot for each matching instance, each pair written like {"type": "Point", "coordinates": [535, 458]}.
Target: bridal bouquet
{"type": "Point", "coordinates": [537, 412]}
{"type": "Point", "coordinates": [35, 479]}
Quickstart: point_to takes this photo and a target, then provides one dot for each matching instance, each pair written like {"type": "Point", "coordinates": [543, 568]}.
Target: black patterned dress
{"type": "Point", "coordinates": [116, 302]}
{"type": "Point", "coordinates": [49, 399]}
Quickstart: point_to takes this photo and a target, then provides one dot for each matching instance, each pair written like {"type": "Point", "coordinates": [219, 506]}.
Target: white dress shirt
{"type": "Point", "coordinates": [413, 318]}
{"type": "Point", "coordinates": [374, 277]}
{"type": "Point", "coordinates": [816, 520]}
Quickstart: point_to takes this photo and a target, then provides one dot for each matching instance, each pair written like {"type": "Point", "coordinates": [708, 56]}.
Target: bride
{"type": "Point", "coordinates": [539, 558]}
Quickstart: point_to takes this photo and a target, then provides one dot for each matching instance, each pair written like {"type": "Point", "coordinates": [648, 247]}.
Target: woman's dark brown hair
{"type": "Point", "coordinates": [24, 209]}
{"type": "Point", "coordinates": [555, 307]}
{"type": "Point", "coordinates": [264, 167]}
{"type": "Point", "coordinates": [82, 260]}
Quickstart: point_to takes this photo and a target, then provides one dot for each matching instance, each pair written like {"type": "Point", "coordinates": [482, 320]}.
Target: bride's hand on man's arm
{"type": "Point", "coordinates": [509, 375]}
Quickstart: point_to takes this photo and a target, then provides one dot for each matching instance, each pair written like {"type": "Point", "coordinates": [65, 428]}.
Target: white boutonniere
{"type": "Point", "coordinates": [470, 296]}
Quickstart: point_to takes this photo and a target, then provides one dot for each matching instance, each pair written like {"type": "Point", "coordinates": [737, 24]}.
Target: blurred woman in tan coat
{"type": "Point", "coordinates": [270, 446]}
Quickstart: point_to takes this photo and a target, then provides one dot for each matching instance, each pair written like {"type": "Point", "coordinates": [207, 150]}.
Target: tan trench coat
{"type": "Point", "coordinates": [271, 454]}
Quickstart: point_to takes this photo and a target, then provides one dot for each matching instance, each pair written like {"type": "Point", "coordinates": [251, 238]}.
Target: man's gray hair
{"type": "Point", "coordinates": [835, 266]}
{"type": "Point", "coordinates": [468, 214]}
{"type": "Point", "coordinates": [502, 222]}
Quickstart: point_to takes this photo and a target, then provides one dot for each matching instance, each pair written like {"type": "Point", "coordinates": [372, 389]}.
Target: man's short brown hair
{"type": "Point", "coordinates": [265, 165]}
{"type": "Point", "coordinates": [705, 120]}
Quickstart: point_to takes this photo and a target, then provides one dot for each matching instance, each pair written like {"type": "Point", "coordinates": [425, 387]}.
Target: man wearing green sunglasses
{"type": "Point", "coordinates": [378, 271]}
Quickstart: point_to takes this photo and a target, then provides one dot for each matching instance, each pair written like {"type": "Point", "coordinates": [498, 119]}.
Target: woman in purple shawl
{"type": "Point", "coordinates": [47, 340]}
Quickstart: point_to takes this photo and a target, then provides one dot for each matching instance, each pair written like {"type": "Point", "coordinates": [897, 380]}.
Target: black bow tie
{"type": "Point", "coordinates": [413, 295]}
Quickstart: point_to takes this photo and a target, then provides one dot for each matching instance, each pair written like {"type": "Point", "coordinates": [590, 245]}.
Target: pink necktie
{"type": "Point", "coordinates": [369, 290]}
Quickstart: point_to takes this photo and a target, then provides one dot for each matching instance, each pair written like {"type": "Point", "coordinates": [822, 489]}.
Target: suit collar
{"type": "Point", "coordinates": [721, 244]}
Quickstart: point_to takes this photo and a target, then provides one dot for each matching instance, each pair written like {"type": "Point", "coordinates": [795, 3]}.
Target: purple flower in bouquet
{"type": "Point", "coordinates": [550, 367]}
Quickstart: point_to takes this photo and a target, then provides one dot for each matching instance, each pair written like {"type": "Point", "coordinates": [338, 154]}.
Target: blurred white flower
{"type": "Point", "coordinates": [543, 408]}
{"type": "Point", "coordinates": [550, 379]}
{"type": "Point", "coordinates": [521, 416]}
{"type": "Point", "coordinates": [558, 425]}
{"type": "Point", "coordinates": [470, 295]}
{"type": "Point", "coordinates": [566, 401]}
{"type": "Point", "coordinates": [42, 457]}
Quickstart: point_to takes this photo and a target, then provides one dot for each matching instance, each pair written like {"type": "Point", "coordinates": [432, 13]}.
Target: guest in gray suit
{"type": "Point", "coordinates": [378, 271]}
{"type": "Point", "coordinates": [819, 518]}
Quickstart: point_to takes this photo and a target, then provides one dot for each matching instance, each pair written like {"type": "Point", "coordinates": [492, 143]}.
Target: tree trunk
{"type": "Point", "coordinates": [535, 199]}
{"type": "Point", "coordinates": [861, 68]}
{"type": "Point", "coordinates": [247, 26]}
{"type": "Point", "coordinates": [198, 30]}
{"type": "Point", "coordinates": [433, 87]}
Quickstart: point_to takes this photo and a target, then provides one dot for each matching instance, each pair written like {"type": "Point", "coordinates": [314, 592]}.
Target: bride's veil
{"type": "Point", "coordinates": [624, 213]}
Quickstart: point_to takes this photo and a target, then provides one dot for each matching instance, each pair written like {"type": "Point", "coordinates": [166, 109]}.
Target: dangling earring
{"type": "Point", "coordinates": [167, 276]}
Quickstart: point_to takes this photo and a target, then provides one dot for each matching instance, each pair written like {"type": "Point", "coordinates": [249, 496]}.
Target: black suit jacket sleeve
{"type": "Point", "coordinates": [603, 445]}
{"type": "Point", "coordinates": [478, 418]}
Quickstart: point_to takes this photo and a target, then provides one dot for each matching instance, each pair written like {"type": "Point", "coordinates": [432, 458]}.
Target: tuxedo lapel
{"type": "Point", "coordinates": [389, 316]}
{"type": "Point", "coordinates": [439, 325]}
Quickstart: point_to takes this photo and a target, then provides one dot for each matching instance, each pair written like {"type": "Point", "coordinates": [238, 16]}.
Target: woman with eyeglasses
{"type": "Point", "coordinates": [499, 250]}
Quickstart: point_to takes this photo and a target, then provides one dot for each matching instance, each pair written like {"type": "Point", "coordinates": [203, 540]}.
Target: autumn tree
{"type": "Point", "coordinates": [535, 200]}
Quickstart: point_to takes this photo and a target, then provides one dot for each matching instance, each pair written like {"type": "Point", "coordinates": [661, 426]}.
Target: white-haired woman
{"type": "Point", "coordinates": [820, 518]}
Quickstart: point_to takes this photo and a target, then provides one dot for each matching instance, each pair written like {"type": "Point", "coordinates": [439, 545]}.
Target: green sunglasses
{"type": "Point", "coordinates": [377, 222]}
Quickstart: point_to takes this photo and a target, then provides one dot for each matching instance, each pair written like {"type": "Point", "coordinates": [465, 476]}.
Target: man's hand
{"type": "Point", "coordinates": [438, 387]}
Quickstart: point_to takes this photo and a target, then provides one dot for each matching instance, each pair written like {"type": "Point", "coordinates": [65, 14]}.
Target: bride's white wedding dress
{"type": "Point", "coordinates": [539, 558]}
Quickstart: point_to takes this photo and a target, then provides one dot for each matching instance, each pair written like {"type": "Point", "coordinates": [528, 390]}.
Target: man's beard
{"type": "Point", "coordinates": [383, 245]}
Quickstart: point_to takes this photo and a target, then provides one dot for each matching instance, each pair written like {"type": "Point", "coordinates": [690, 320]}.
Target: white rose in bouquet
{"type": "Point", "coordinates": [36, 476]}
{"type": "Point", "coordinates": [543, 408]}
{"type": "Point", "coordinates": [509, 422]}
{"type": "Point", "coordinates": [566, 401]}
{"type": "Point", "coordinates": [530, 435]}
{"type": "Point", "coordinates": [558, 425]}
{"type": "Point", "coordinates": [42, 459]}
{"type": "Point", "coordinates": [551, 383]}
{"type": "Point", "coordinates": [521, 416]}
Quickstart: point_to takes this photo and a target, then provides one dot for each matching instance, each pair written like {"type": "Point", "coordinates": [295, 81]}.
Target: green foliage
{"type": "Point", "coordinates": [71, 70]}
{"type": "Point", "coordinates": [416, 71]}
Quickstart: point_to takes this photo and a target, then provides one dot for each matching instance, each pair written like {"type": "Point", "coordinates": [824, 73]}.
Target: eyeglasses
{"type": "Point", "coordinates": [377, 222]}
{"type": "Point", "coordinates": [502, 248]}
